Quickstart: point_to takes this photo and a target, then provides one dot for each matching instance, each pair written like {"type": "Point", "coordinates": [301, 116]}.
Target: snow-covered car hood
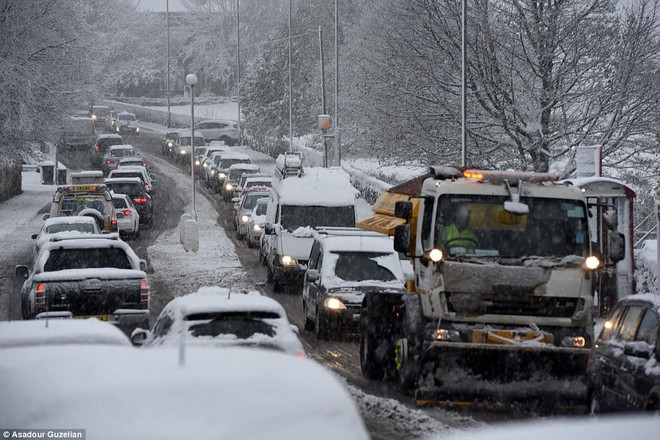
{"type": "Point", "coordinates": [353, 293]}
{"type": "Point", "coordinates": [296, 247]}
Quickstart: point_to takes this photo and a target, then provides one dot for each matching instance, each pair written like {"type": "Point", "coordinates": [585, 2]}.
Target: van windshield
{"type": "Point", "coordinates": [293, 217]}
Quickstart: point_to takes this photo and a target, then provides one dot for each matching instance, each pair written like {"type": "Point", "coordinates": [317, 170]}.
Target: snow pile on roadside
{"type": "Point", "coordinates": [646, 267]}
{"type": "Point", "coordinates": [215, 263]}
{"type": "Point", "coordinates": [398, 420]}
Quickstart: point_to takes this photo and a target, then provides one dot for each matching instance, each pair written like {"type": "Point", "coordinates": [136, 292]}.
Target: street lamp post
{"type": "Point", "coordinates": [191, 80]}
{"type": "Point", "coordinates": [169, 114]}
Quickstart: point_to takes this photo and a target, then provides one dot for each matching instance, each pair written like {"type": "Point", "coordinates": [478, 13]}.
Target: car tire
{"type": "Point", "coordinates": [594, 402]}
{"type": "Point", "coordinates": [24, 308]}
{"type": "Point", "coordinates": [309, 324]}
{"type": "Point", "coordinates": [319, 327]}
{"type": "Point", "coordinates": [249, 242]}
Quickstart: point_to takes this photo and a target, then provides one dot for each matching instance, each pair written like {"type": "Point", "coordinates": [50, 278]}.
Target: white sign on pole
{"type": "Point", "coordinates": [589, 161]}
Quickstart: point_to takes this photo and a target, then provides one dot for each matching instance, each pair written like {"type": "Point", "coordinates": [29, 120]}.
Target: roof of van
{"type": "Point", "coordinates": [317, 186]}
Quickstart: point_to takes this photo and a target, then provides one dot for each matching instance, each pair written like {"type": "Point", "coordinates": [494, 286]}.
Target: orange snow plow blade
{"type": "Point", "coordinates": [500, 374]}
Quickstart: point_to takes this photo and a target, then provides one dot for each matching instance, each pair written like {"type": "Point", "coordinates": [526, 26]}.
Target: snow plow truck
{"type": "Point", "coordinates": [500, 307]}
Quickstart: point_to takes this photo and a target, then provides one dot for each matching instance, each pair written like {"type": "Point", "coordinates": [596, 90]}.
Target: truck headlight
{"type": "Point", "coordinates": [221, 175]}
{"type": "Point", "coordinates": [245, 218]}
{"type": "Point", "coordinates": [592, 262]}
{"type": "Point", "coordinates": [256, 227]}
{"type": "Point", "coordinates": [443, 334]}
{"type": "Point", "coordinates": [286, 260]}
{"type": "Point", "coordinates": [334, 304]}
{"type": "Point", "coordinates": [574, 342]}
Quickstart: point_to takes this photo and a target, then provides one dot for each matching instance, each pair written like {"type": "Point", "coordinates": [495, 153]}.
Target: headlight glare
{"type": "Point", "coordinates": [286, 260]}
{"type": "Point", "coordinates": [334, 304]}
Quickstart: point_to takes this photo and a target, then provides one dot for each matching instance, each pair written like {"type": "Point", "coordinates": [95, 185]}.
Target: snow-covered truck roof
{"type": "Point", "coordinates": [317, 186]}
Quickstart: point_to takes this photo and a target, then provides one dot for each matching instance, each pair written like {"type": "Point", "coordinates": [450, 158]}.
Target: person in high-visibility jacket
{"type": "Point", "coordinates": [460, 233]}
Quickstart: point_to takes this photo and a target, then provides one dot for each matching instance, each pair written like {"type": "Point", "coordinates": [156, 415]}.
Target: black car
{"type": "Point", "coordinates": [134, 188]}
{"type": "Point", "coordinates": [624, 363]}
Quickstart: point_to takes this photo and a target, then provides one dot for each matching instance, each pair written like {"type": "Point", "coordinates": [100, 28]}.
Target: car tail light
{"type": "Point", "coordinates": [98, 148]}
{"type": "Point", "coordinates": [146, 186]}
{"type": "Point", "coordinates": [113, 224]}
{"type": "Point", "coordinates": [126, 212]}
{"type": "Point", "coordinates": [140, 200]}
{"type": "Point", "coordinates": [40, 297]}
{"type": "Point", "coordinates": [108, 161]}
{"type": "Point", "coordinates": [144, 293]}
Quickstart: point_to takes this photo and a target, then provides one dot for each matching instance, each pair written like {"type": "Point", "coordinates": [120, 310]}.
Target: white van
{"type": "Point", "coordinates": [297, 204]}
{"type": "Point", "coordinates": [79, 133]}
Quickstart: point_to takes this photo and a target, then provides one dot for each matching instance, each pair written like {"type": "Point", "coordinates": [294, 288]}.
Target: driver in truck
{"type": "Point", "coordinates": [460, 233]}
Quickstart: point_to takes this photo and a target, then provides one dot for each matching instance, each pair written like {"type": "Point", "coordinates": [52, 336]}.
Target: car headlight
{"type": "Point", "coordinates": [334, 304]}
{"type": "Point", "coordinates": [229, 187]}
{"type": "Point", "coordinates": [213, 172]}
{"type": "Point", "coordinates": [197, 162]}
{"type": "Point", "coordinates": [183, 151]}
{"type": "Point", "coordinates": [221, 175]}
{"type": "Point", "coordinates": [170, 144]}
{"type": "Point", "coordinates": [286, 260]}
{"type": "Point", "coordinates": [137, 130]}
{"type": "Point", "coordinates": [256, 227]}
{"type": "Point", "coordinates": [205, 165]}
{"type": "Point", "coordinates": [592, 262]}
{"type": "Point", "coordinates": [94, 117]}
{"type": "Point", "coordinates": [245, 218]}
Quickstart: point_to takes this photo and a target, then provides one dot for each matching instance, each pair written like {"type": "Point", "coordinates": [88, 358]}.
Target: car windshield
{"type": "Point", "coordinates": [552, 228]}
{"type": "Point", "coordinates": [226, 163]}
{"type": "Point", "coordinates": [76, 204]}
{"type": "Point", "coordinates": [126, 117]}
{"type": "Point", "coordinates": [236, 174]}
{"type": "Point", "coordinates": [360, 266]}
{"type": "Point", "coordinates": [122, 152]}
{"type": "Point", "coordinates": [61, 259]}
{"type": "Point", "coordinates": [185, 141]}
{"type": "Point", "coordinates": [132, 189]}
{"type": "Point", "coordinates": [241, 324]}
{"type": "Point", "coordinates": [105, 143]}
{"type": "Point", "coordinates": [119, 203]}
{"type": "Point", "coordinates": [63, 227]}
{"type": "Point", "coordinates": [250, 200]}
{"type": "Point", "coordinates": [260, 209]}
{"type": "Point", "coordinates": [293, 216]}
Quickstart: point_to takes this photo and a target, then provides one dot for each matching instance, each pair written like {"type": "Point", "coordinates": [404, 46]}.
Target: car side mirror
{"type": "Point", "coordinates": [312, 275]}
{"type": "Point", "coordinates": [138, 336]}
{"type": "Point", "coordinates": [269, 229]}
{"type": "Point", "coordinates": [143, 265]}
{"type": "Point", "coordinates": [34, 236]}
{"type": "Point", "coordinates": [295, 329]}
{"type": "Point", "coordinates": [46, 216]}
{"type": "Point", "coordinates": [616, 249]}
{"type": "Point", "coordinates": [22, 271]}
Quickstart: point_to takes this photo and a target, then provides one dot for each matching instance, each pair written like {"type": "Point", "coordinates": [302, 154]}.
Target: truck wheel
{"type": "Point", "coordinates": [372, 367]}
{"type": "Point", "coordinates": [407, 365]}
{"type": "Point", "coordinates": [594, 403]}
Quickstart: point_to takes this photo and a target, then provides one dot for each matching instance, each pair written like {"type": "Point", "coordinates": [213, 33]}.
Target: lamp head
{"type": "Point", "coordinates": [191, 79]}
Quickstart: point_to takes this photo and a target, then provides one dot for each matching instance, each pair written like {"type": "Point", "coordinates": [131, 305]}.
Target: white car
{"type": "Point", "coordinates": [61, 330]}
{"type": "Point", "coordinates": [218, 317]}
{"type": "Point", "coordinates": [76, 224]}
{"type": "Point", "coordinates": [244, 206]}
{"type": "Point", "coordinates": [127, 123]}
{"type": "Point", "coordinates": [114, 155]}
{"type": "Point", "coordinates": [117, 392]}
{"type": "Point", "coordinates": [128, 218]}
{"type": "Point", "coordinates": [255, 226]}
{"type": "Point", "coordinates": [218, 130]}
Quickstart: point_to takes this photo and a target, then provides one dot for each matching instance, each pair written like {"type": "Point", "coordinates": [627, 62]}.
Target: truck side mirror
{"type": "Point", "coordinates": [403, 209]}
{"type": "Point", "coordinates": [269, 229]}
{"type": "Point", "coordinates": [402, 238]}
{"type": "Point", "coordinates": [616, 248]}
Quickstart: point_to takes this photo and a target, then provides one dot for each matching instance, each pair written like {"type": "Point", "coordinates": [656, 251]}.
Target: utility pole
{"type": "Point", "coordinates": [238, 68]}
{"type": "Point", "coordinates": [290, 89]}
{"type": "Point", "coordinates": [323, 112]}
{"type": "Point", "coordinates": [169, 115]}
{"type": "Point", "coordinates": [337, 152]}
{"type": "Point", "coordinates": [463, 83]}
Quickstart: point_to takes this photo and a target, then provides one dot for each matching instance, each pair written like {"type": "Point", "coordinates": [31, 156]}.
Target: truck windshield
{"type": "Point", "coordinates": [480, 226]}
{"type": "Point", "coordinates": [293, 217]}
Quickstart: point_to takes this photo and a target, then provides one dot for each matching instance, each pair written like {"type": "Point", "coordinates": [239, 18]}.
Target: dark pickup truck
{"type": "Point", "coordinates": [96, 276]}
